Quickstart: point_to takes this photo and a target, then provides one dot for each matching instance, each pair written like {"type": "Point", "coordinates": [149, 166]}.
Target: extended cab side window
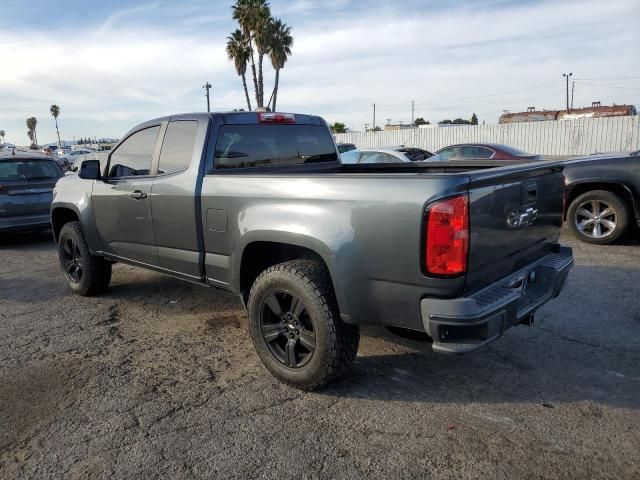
{"type": "Point", "coordinates": [177, 146]}
{"type": "Point", "coordinates": [134, 156]}
{"type": "Point", "coordinates": [242, 146]}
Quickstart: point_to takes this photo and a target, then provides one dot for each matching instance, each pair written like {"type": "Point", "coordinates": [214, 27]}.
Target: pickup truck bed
{"type": "Point", "coordinates": [459, 250]}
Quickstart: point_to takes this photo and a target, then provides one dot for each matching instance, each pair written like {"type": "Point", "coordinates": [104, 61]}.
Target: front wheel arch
{"type": "Point", "coordinates": [61, 216]}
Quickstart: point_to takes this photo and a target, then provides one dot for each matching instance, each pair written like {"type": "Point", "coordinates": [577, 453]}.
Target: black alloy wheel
{"type": "Point", "coordinates": [287, 329]}
{"type": "Point", "coordinates": [72, 260]}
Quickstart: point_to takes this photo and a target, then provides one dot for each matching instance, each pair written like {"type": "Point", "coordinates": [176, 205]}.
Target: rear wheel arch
{"type": "Point", "coordinates": [61, 216]}
{"type": "Point", "coordinates": [620, 189]}
{"type": "Point", "coordinates": [257, 256]}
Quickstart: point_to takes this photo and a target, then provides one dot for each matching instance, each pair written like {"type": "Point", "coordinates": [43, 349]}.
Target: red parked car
{"type": "Point", "coordinates": [484, 151]}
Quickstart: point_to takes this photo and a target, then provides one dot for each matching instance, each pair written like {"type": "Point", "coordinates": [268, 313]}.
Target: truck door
{"type": "Point", "coordinates": [122, 200]}
{"type": "Point", "coordinates": [175, 201]}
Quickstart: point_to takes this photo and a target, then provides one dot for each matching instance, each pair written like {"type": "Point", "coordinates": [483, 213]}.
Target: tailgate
{"type": "Point", "coordinates": [515, 217]}
{"type": "Point", "coordinates": [26, 198]}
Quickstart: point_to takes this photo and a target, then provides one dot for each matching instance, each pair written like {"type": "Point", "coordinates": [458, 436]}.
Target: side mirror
{"type": "Point", "coordinates": [90, 170]}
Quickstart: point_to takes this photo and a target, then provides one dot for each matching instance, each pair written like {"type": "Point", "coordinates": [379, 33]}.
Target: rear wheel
{"type": "Point", "coordinates": [599, 217]}
{"type": "Point", "coordinates": [296, 328]}
{"type": "Point", "coordinates": [86, 274]}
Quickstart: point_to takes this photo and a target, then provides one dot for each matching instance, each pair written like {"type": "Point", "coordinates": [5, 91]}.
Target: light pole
{"type": "Point", "coordinates": [207, 86]}
{"type": "Point", "coordinates": [567, 75]}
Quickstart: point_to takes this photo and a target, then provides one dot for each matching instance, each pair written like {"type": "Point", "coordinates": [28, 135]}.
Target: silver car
{"type": "Point", "coordinates": [388, 155]}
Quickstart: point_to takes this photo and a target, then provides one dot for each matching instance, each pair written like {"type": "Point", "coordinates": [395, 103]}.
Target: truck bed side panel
{"type": "Point", "coordinates": [367, 228]}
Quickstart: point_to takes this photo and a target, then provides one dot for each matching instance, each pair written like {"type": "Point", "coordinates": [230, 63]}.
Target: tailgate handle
{"type": "Point", "coordinates": [529, 193]}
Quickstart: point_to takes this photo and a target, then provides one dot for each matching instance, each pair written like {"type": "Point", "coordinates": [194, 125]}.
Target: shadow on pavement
{"type": "Point", "coordinates": [25, 240]}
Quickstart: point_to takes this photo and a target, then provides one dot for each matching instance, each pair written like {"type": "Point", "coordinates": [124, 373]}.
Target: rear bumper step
{"type": "Point", "coordinates": [464, 324]}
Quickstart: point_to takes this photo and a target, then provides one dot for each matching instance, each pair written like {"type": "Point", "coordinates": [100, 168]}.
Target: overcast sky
{"type": "Point", "coordinates": [112, 64]}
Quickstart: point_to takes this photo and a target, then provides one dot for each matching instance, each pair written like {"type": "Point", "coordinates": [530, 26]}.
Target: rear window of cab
{"type": "Point", "coordinates": [245, 146]}
{"type": "Point", "coordinates": [26, 170]}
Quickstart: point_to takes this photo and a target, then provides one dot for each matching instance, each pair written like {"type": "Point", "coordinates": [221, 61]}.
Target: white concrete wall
{"type": "Point", "coordinates": [564, 137]}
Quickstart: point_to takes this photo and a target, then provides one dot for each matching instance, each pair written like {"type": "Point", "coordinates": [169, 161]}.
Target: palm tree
{"type": "Point", "coordinates": [55, 112]}
{"type": "Point", "coordinates": [281, 43]}
{"type": "Point", "coordinates": [239, 51]}
{"type": "Point", "coordinates": [338, 127]}
{"type": "Point", "coordinates": [244, 14]}
{"type": "Point", "coordinates": [2, 132]}
{"type": "Point", "coordinates": [262, 38]}
{"type": "Point", "coordinates": [32, 123]}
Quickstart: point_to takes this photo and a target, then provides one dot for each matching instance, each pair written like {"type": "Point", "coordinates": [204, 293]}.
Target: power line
{"type": "Point", "coordinates": [495, 94]}
{"type": "Point", "coordinates": [608, 86]}
{"type": "Point", "coordinates": [608, 78]}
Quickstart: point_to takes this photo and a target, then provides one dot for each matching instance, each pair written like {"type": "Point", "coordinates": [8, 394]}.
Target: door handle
{"type": "Point", "coordinates": [138, 195]}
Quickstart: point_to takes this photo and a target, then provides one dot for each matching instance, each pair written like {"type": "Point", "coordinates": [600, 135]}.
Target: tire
{"type": "Point", "coordinates": [598, 229]}
{"type": "Point", "coordinates": [85, 274]}
{"type": "Point", "coordinates": [307, 311]}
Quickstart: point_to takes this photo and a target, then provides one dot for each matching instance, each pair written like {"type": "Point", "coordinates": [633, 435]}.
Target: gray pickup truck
{"type": "Point", "coordinates": [259, 204]}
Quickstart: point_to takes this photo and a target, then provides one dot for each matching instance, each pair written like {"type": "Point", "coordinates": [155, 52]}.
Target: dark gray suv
{"type": "Point", "coordinates": [26, 191]}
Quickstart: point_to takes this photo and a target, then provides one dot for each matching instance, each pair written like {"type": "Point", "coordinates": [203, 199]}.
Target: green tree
{"type": "Point", "coordinates": [262, 39]}
{"type": "Point", "coordinates": [262, 35]}
{"type": "Point", "coordinates": [338, 127]}
{"type": "Point", "coordinates": [239, 52]}
{"type": "Point", "coordinates": [32, 123]}
{"type": "Point", "coordinates": [2, 132]}
{"type": "Point", "coordinates": [460, 121]}
{"type": "Point", "coordinates": [253, 17]}
{"type": "Point", "coordinates": [420, 121]}
{"type": "Point", "coordinates": [281, 43]}
{"type": "Point", "coordinates": [474, 119]}
{"type": "Point", "coordinates": [55, 113]}
{"type": "Point", "coordinates": [445, 122]}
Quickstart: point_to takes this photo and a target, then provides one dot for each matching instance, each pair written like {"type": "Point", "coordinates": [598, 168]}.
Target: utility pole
{"type": "Point", "coordinates": [207, 86]}
{"type": "Point", "coordinates": [573, 87]}
{"type": "Point", "coordinates": [567, 75]}
{"type": "Point", "coordinates": [413, 110]}
{"type": "Point", "coordinates": [374, 117]}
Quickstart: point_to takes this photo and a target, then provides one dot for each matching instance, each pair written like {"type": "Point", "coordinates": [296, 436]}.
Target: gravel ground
{"type": "Point", "coordinates": [159, 378]}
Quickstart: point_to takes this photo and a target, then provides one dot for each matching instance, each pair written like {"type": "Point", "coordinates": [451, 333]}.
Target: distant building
{"type": "Point", "coordinates": [594, 111]}
{"type": "Point", "coordinates": [399, 126]}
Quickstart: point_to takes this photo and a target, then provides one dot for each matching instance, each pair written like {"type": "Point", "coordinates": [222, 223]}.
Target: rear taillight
{"type": "Point", "coordinates": [564, 198]}
{"type": "Point", "coordinates": [272, 117]}
{"type": "Point", "coordinates": [447, 237]}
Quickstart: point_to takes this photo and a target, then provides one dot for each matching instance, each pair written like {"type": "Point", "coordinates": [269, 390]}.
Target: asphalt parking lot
{"type": "Point", "coordinates": [159, 378]}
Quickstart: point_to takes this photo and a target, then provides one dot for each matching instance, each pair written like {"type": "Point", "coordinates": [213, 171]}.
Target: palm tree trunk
{"type": "Point", "coordinates": [246, 92]}
{"type": "Point", "coordinates": [58, 132]}
{"type": "Point", "coordinates": [253, 70]}
{"type": "Point", "coordinates": [275, 90]}
{"type": "Point", "coordinates": [260, 80]}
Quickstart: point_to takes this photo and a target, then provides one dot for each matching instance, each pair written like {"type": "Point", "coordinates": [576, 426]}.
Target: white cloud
{"type": "Point", "coordinates": [108, 77]}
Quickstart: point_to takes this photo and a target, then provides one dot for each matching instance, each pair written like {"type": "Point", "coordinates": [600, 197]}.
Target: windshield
{"type": "Point", "coordinates": [21, 170]}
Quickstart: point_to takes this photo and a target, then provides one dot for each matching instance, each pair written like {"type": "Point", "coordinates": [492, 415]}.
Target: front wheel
{"type": "Point", "coordinates": [599, 217]}
{"type": "Point", "coordinates": [295, 325]}
{"type": "Point", "coordinates": [85, 274]}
